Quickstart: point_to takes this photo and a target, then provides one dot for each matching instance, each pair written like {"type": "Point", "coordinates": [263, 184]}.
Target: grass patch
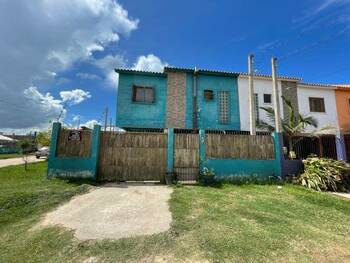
{"type": "Point", "coordinates": [248, 223]}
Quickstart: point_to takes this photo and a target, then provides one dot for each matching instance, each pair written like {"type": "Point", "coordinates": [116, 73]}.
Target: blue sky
{"type": "Point", "coordinates": [311, 38]}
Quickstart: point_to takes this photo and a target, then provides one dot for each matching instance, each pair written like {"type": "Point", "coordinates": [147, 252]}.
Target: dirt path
{"type": "Point", "coordinates": [115, 211]}
{"type": "Point", "coordinates": [17, 161]}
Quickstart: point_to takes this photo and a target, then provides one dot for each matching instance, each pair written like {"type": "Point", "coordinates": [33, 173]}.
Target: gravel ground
{"type": "Point", "coordinates": [115, 211]}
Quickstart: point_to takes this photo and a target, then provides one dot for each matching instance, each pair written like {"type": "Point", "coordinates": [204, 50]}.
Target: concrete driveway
{"type": "Point", "coordinates": [17, 161]}
{"type": "Point", "coordinates": [115, 211]}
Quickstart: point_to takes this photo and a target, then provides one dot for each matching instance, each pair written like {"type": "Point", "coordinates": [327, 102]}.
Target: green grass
{"type": "Point", "coordinates": [249, 223]}
{"type": "Point", "coordinates": [10, 155]}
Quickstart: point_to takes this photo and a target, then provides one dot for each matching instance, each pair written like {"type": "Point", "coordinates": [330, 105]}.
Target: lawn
{"type": "Point", "coordinates": [254, 223]}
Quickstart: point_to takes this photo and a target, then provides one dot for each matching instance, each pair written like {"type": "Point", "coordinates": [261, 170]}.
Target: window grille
{"type": "Point", "coordinates": [256, 105]}
{"type": "Point", "coordinates": [224, 107]}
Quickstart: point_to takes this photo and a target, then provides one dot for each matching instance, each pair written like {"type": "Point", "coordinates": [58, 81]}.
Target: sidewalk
{"type": "Point", "coordinates": [17, 161]}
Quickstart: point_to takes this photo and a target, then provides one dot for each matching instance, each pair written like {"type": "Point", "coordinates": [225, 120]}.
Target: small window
{"type": "Point", "coordinates": [256, 104]}
{"type": "Point", "coordinates": [142, 94]}
{"type": "Point", "coordinates": [208, 95]}
{"type": "Point", "coordinates": [267, 98]}
{"type": "Point", "coordinates": [224, 107]}
{"type": "Point", "coordinates": [317, 105]}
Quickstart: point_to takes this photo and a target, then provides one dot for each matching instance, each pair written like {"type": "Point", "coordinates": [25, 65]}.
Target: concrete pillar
{"type": "Point", "coordinates": [201, 148]}
{"type": "Point", "coordinates": [95, 149]}
{"type": "Point", "coordinates": [279, 155]}
{"type": "Point", "coordinates": [56, 127]}
{"type": "Point", "coordinates": [170, 151]}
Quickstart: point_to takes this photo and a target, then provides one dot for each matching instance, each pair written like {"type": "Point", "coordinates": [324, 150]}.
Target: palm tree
{"type": "Point", "coordinates": [293, 125]}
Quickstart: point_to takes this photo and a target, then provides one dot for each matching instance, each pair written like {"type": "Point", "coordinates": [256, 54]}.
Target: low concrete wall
{"type": "Point", "coordinates": [73, 167]}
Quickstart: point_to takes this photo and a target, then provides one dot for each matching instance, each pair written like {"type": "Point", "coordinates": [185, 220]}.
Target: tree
{"type": "Point", "coordinates": [293, 125]}
{"type": "Point", "coordinates": [43, 138]}
{"type": "Point", "coordinates": [25, 147]}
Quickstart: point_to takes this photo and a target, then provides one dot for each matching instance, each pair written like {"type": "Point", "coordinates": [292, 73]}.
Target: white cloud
{"type": "Point", "coordinates": [40, 39]}
{"type": "Point", "coordinates": [149, 63]}
{"type": "Point", "coordinates": [107, 65]}
{"type": "Point", "coordinates": [90, 124]}
{"type": "Point", "coordinates": [88, 76]}
{"type": "Point", "coordinates": [75, 96]}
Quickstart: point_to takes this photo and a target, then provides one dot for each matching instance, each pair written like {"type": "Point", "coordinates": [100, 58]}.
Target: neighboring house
{"type": "Point", "coordinates": [178, 98]}
{"type": "Point", "coordinates": [287, 87]}
{"type": "Point", "coordinates": [342, 95]}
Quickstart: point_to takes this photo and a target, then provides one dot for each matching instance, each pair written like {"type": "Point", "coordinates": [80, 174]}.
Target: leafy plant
{"type": "Point", "coordinates": [207, 176]}
{"type": "Point", "coordinates": [324, 174]}
{"type": "Point", "coordinates": [294, 125]}
{"type": "Point", "coordinates": [43, 138]}
{"type": "Point", "coordinates": [25, 147]}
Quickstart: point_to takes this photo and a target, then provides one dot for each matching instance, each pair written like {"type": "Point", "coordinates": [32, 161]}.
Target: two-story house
{"type": "Point", "coordinates": [178, 98]}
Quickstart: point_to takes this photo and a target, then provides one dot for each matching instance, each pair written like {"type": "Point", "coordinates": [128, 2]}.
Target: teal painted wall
{"type": "Point", "coordinates": [9, 150]}
{"type": "Point", "coordinates": [236, 167]}
{"type": "Point", "coordinates": [189, 101]}
{"type": "Point", "coordinates": [141, 115]}
{"type": "Point", "coordinates": [73, 167]}
{"type": "Point", "coordinates": [208, 111]}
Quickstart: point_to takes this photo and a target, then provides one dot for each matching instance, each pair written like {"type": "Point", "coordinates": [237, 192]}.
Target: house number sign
{"type": "Point", "coordinates": [74, 136]}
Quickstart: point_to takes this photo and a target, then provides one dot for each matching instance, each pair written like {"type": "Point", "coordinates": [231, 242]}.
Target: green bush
{"type": "Point", "coordinates": [324, 174]}
{"type": "Point", "coordinates": [206, 176]}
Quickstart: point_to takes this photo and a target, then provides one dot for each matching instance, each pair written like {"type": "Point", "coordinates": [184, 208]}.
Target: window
{"type": "Point", "coordinates": [142, 94]}
{"type": "Point", "coordinates": [267, 98]}
{"type": "Point", "coordinates": [208, 95]}
{"type": "Point", "coordinates": [317, 105]}
{"type": "Point", "coordinates": [224, 107]}
{"type": "Point", "coordinates": [256, 105]}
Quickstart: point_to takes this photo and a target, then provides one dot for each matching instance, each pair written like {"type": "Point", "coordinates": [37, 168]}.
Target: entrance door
{"type": "Point", "coordinates": [347, 146]}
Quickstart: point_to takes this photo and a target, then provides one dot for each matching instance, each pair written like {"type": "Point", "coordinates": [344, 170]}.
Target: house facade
{"type": "Point", "coordinates": [178, 98]}
{"type": "Point", "coordinates": [342, 96]}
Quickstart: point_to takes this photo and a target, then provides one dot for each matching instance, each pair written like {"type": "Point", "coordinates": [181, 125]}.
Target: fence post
{"type": "Point", "coordinates": [279, 155]}
{"type": "Point", "coordinates": [95, 149]}
{"type": "Point", "coordinates": [56, 127]}
{"type": "Point", "coordinates": [170, 151]}
{"type": "Point", "coordinates": [201, 148]}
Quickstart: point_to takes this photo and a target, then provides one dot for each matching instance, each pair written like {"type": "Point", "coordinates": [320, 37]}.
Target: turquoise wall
{"type": "Point", "coordinates": [238, 167]}
{"type": "Point", "coordinates": [208, 111]}
{"type": "Point", "coordinates": [142, 115]}
{"type": "Point", "coordinates": [9, 150]}
{"type": "Point", "coordinates": [73, 167]}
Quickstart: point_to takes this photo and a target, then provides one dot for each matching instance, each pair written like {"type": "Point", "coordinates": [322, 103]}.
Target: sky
{"type": "Point", "coordinates": [57, 57]}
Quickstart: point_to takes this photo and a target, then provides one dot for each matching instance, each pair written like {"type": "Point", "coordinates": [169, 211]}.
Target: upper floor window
{"type": "Point", "coordinates": [142, 94]}
{"type": "Point", "coordinates": [267, 98]}
{"type": "Point", "coordinates": [208, 95]}
{"type": "Point", "coordinates": [317, 105]}
{"type": "Point", "coordinates": [224, 107]}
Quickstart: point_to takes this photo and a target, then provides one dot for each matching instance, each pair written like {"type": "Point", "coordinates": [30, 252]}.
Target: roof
{"type": "Point", "coordinates": [141, 72]}
{"type": "Point", "coordinates": [342, 85]}
{"type": "Point", "coordinates": [317, 85]}
{"type": "Point", "coordinates": [5, 138]}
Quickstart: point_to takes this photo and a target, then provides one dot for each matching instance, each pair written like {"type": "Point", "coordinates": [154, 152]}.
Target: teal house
{"type": "Point", "coordinates": [178, 98]}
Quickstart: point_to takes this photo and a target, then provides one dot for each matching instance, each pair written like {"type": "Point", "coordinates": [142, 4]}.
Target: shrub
{"type": "Point", "coordinates": [206, 176]}
{"type": "Point", "coordinates": [324, 174]}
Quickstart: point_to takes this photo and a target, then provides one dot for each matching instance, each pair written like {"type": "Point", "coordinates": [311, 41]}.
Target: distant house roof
{"type": "Point", "coordinates": [5, 138]}
{"type": "Point", "coordinates": [317, 85]}
{"type": "Point", "coordinates": [346, 86]}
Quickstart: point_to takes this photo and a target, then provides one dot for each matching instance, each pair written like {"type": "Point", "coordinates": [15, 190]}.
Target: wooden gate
{"type": "Point", "coordinates": [132, 156]}
{"type": "Point", "coordinates": [186, 156]}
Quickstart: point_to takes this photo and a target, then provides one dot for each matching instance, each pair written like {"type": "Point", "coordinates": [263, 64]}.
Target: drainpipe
{"type": "Point", "coordinates": [194, 101]}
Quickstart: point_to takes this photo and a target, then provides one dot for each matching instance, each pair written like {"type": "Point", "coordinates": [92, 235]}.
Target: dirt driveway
{"type": "Point", "coordinates": [115, 211]}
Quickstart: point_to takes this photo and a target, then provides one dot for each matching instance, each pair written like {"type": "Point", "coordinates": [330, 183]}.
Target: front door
{"type": "Point", "coordinates": [347, 146]}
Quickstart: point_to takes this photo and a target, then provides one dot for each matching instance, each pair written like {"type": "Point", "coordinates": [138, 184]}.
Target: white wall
{"type": "Point", "coordinates": [324, 118]}
{"type": "Point", "coordinates": [261, 87]}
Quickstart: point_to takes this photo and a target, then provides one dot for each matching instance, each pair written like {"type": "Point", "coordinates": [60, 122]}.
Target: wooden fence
{"type": "Point", "coordinates": [235, 146]}
{"type": "Point", "coordinates": [74, 148]}
{"type": "Point", "coordinates": [132, 156]}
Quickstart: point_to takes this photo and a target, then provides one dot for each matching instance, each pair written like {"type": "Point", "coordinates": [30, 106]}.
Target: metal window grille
{"type": "Point", "coordinates": [224, 107]}
{"type": "Point", "coordinates": [256, 104]}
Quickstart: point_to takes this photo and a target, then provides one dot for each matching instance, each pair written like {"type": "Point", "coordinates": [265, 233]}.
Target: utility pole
{"type": "Point", "coordinates": [252, 120]}
{"type": "Point", "coordinates": [110, 124]}
{"type": "Point", "coordinates": [276, 96]}
{"type": "Point", "coordinates": [106, 117]}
